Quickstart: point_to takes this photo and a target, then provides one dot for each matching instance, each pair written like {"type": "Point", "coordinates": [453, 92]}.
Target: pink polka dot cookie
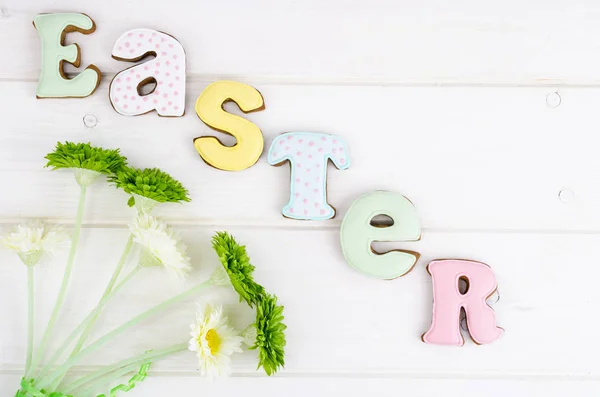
{"type": "Point", "coordinates": [166, 71]}
{"type": "Point", "coordinates": [308, 154]}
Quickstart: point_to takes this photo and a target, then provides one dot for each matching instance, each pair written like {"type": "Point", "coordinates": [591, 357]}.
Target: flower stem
{"type": "Point", "coordinates": [31, 316]}
{"type": "Point", "coordinates": [109, 378]}
{"type": "Point", "coordinates": [63, 369]}
{"type": "Point", "coordinates": [63, 288]}
{"type": "Point", "coordinates": [93, 315]}
{"type": "Point", "coordinates": [107, 291]}
{"type": "Point", "coordinates": [130, 364]}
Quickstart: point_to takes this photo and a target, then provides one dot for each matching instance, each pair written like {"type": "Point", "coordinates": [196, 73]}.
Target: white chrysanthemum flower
{"type": "Point", "coordinates": [161, 244]}
{"type": "Point", "coordinates": [31, 240]}
{"type": "Point", "coordinates": [214, 341]}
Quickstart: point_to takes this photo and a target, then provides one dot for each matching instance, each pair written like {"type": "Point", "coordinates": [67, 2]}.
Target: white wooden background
{"type": "Point", "coordinates": [451, 103]}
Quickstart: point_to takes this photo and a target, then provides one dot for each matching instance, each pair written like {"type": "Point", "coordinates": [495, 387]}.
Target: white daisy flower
{"type": "Point", "coordinates": [31, 240]}
{"type": "Point", "coordinates": [214, 341]}
{"type": "Point", "coordinates": [161, 245]}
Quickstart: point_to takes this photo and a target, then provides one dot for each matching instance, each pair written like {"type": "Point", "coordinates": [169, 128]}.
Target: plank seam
{"type": "Point", "coordinates": [304, 226]}
{"type": "Point", "coordinates": [362, 374]}
{"type": "Point", "coordinates": [349, 81]}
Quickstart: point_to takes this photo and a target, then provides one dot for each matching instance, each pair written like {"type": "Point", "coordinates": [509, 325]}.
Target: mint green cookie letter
{"type": "Point", "coordinates": [53, 83]}
{"type": "Point", "coordinates": [357, 234]}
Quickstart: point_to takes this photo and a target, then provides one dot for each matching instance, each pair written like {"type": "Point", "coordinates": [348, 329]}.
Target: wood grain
{"type": "Point", "coordinates": [357, 42]}
{"type": "Point", "coordinates": [452, 104]}
{"type": "Point", "coordinates": [353, 386]}
{"type": "Point", "coordinates": [468, 158]}
{"type": "Point", "coordinates": [366, 326]}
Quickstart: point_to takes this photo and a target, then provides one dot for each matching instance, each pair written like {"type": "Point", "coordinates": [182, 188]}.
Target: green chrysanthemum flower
{"type": "Point", "coordinates": [88, 161]}
{"type": "Point", "coordinates": [270, 338]}
{"type": "Point", "coordinates": [237, 265]}
{"type": "Point", "coordinates": [83, 155]}
{"type": "Point", "coordinates": [150, 183]}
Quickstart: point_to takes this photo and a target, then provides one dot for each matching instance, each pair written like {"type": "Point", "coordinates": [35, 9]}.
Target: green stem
{"type": "Point", "coordinates": [91, 316]}
{"type": "Point", "coordinates": [107, 291]}
{"type": "Point", "coordinates": [31, 316]}
{"type": "Point", "coordinates": [108, 378]}
{"type": "Point", "coordinates": [131, 364]}
{"type": "Point", "coordinates": [60, 371]}
{"type": "Point", "coordinates": [63, 288]}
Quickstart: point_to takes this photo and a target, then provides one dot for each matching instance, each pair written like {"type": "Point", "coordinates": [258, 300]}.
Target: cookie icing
{"type": "Point", "coordinates": [167, 69]}
{"type": "Point", "coordinates": [357, 234]}
{"type": "Point", "coordinates": [308, 154]}
{"type": "Point", "coordinates": [448, 301]}
{"type": "Point", "coordinates": [53, 83]}
{"type": "Point", "coordinates": [250, 142]}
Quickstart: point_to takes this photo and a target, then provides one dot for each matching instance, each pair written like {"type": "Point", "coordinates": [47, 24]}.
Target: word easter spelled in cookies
{"type": "Point", "coordinates": [158, 84]}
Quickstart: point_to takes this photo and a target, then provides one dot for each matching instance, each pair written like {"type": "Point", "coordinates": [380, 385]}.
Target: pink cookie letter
{"type": "Point", "coordinates": [166, 71]}
{"type": "Point", "coordinates": [448, 301]}
{"type": "Point", "coordinates": [308, 154]}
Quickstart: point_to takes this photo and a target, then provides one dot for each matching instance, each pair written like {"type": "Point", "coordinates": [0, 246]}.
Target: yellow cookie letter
{"type": "Point", "coordinates": [209, 108]}
{"type": "Point", "coordinates": [53, 83]}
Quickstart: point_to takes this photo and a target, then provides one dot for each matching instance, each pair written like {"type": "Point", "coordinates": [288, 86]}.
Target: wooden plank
{"type": "Point", "coordinates": [376, 41]}
{"type": "Point", "coordinates": [354, 386]}
{"type": "Point", "coordinates": [446, 103]}
{"type": "Point", "coordinates": [469, 158]}
{"type": "Point", "coordinates": [341, 322]}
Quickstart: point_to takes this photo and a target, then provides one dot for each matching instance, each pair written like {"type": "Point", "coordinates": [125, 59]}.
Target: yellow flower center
{"type": "Point", "coordinates": [214, 341]}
